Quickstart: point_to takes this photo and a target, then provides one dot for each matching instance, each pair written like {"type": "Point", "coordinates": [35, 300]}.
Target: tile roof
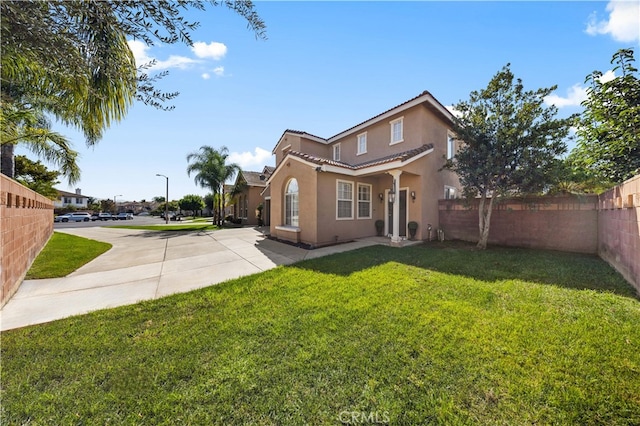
{"type": "Point", "coordinates": [300, 132]}
{"type": "Point", "coordinates": [253, 178]}
{"type": "Point", "coordinates": [402, 156]}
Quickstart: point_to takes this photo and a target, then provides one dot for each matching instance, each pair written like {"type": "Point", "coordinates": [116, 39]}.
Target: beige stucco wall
{"type": "Point", "coordinates": [300, 144]}
{"type": "Point", "coordinates": [307, 200]}
{"type": "Point", "coordinates": [254, 198]}
{"type": "Point", "coordinates": [421, 126]}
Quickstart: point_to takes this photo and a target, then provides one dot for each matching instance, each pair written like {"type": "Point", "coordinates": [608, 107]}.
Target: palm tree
{"type": "Point", "coordinates": [70, 59]}
{"type": "Point", "coordinates": [67, 59]}
{"type": "Point", "coordinates": [31, 128]}
{"type": "Point", "coordinates": [212, 171]}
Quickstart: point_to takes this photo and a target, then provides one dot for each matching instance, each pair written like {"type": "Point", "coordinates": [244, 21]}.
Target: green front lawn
{"type": "Point", "coordinates": [438, 334]}
{"type": "Point", "coordinates": [63, 254]}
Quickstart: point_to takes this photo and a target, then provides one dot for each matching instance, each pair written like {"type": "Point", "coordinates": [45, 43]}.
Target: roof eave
{"type": "Point", "coordinates": [425, 97]}
{"type": "Point", "coordinates": [378, 168]}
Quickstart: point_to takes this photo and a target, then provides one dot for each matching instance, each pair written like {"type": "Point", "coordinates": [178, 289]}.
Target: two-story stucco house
{"type": "Point", "coordinates": [387, 168]}
{"type": "Point", "coordinates": [69, 199]}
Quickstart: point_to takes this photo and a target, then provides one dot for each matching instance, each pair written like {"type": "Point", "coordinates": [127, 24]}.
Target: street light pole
{"type": "Point", "coordinates": [115, 206]}
{"type": "Point", "coordinates": [166, 200]}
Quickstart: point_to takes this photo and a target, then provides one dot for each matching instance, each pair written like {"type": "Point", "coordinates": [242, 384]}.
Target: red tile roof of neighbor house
{"type": "Point", "coordinates": [402, 156]}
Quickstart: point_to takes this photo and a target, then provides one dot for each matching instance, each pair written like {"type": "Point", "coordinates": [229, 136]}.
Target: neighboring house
{"type": "Point", "coordinates": [248, 195]}
{"type": "Point", "coordinates": [136, 207]}
{"type": "Point", "coordinates": [69, 199]}
{"type": "Point", "coordinates": [325, 191]}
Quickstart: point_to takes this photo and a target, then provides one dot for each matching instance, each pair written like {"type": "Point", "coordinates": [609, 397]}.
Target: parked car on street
{"type": "Point", "coordinates": [125, 216]}
{"type": "Point", "coordinates": [102, 216]}
{"type": "Point", "coordinates": [62, 218]}
{"type": "Point", "coordinates": [79, 217]}
{"type": "Point", "coordinates": [73, 217]}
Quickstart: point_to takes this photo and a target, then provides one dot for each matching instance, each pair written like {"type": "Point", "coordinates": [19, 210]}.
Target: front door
{"type": "Point", "coordinates": [403, 214]}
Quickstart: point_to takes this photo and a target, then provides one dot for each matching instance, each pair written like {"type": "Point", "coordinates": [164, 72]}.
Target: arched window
{"type": "Point", "coordinates": [291, 203]}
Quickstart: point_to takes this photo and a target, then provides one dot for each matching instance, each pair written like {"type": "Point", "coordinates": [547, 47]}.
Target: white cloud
{"type": "Point", "coordinates": [213, 50]}
{"type": "Point", "coordinates": [206, 76]}
{"type": "Point", "coordinates": [139, 50]}
{"type": "Point", "coordinates": [175, 61]}
{"type": "Point", "coordinates": [607, 76]}
{"type": "Point", "coordinates": [248, 160]}
{"type": "Point", "coordinates": [219, 71]}
{"type": "Point", "coordinates": [623, 23]}
{"type": "Point", "coordinates": [575, 95]}
{"type": "Point", "coordinates": [201, 50]}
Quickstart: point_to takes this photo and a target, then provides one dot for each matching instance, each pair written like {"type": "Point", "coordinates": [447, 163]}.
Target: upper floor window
{"type": "Point", "coordinates": [397, 132]}
{"type": "Point", "coordinates": [78, 200]}
{"type": "Point", "coordinates": [451, 147]}
{"type": "Point", "coordinates": [344, 208]}
{"type": "Point", "coordinates": [67, 200]}
{"type": "Point", "coordinates": [336, 152]}
{"type": "Point", "coordinates": [362, 143]}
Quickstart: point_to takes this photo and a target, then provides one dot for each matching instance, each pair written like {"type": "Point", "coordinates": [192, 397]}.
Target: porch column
{"type": "Point", "coordinates": [395, 237]}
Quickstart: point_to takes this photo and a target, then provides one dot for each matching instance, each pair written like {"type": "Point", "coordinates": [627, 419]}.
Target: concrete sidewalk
{"type": "Point", "coordinates": [144, 265]}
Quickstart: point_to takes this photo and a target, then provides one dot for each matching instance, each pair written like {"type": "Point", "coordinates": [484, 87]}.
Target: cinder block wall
{"type": "Point", "coordinates": [619, 229]}
{"type": "Point", "coordinates": [26, 224]}
{"type": "Point", "coordinates": [566, 223]}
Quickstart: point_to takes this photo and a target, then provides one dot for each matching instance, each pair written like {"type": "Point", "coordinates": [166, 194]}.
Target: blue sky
{"type": "Point", "coordinates": [327, 66]}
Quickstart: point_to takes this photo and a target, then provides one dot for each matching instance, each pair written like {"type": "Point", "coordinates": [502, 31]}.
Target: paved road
{"type": "Point", "coordinates": [137, 220]}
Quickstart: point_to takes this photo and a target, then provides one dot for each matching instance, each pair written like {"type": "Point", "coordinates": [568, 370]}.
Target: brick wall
{"type": "Point", "coordinates": [26, 224]}
{"type": "Point", "coordinates": [619, 229]}
{"type": "Point", "coordinates": [566, 223]}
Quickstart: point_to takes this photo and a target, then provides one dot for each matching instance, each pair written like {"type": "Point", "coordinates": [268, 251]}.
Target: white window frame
{"type": "Point", "coordinates": [338, 199]}
{"type": "Point", "coordinates": [336, 152]}
{"type": "Point", "coordinates": [361, 137]}
{"type": "Point", "coordinates": [450, 190]}
{"type": "Point", "coordinates": [391, 124]}
{"type": "Point", "coordinates": [369, 201]}
{"type": "Point", "coordinates": [451, 146]}
{"type": "Point", "coordinates": [289, 198]}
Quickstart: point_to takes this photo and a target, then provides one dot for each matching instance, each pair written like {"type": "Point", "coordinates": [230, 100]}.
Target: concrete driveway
{"type": "Point", "coordinates": [144, 265]}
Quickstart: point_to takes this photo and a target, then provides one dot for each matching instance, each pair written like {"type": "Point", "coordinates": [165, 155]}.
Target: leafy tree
{"type": "Point", "coordinates": [212, 171]}
{"type": "Point", "coordinates": [191, 203]}
{"type": "Point", "coordinates": [510, 143]}
{"type": "Point", "coordinates": [71, 59]}
{"type": "Point", "coordinates": [208, 201]}
{"type": "Point", "coordinates": [108, 206]}
{"type": "Point", "coordinates": [609, 132]}
{"type": "Point", "coordinates": [93, 204]}
{"type": "Point", "coordinates": [35, 176]}
{"type": "Point", "coordinates": [159, 199]}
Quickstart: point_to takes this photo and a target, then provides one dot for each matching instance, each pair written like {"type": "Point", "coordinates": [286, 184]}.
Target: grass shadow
{"type": "Point", "coordinates": [568, 270]}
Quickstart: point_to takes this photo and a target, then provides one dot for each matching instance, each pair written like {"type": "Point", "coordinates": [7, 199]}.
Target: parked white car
{"type": "Point", "coordinates": [73, 217]}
